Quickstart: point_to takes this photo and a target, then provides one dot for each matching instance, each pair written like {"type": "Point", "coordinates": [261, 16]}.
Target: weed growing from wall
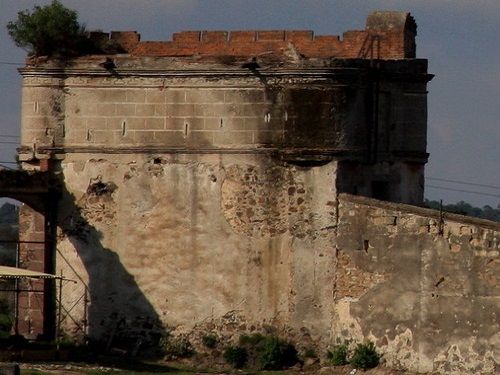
{"type": "Point", "coordinates": [236, 356]}
{"type": "Point", "coordinates": [209, 341]}
{"type": "Point", "coordinates": [338, 355]}
{"type": "Point", "coordinates": [178, 348]}
{"type": "Point", "coordinates": [365, 356]}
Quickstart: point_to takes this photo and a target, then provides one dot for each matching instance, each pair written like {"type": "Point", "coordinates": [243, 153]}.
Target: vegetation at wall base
{"type": "Point", "coordinates": [261, 352]}
{"type": "Point", "coordinates": [365, 356]}
{"type": "Point", "coordinates": [236, 356]}
{"type": "Point", "coordinates": [338, 355]}
{"type": "Point", "coordinates": [209, 341]}
{"type": "Point", "coordinates": [251, 340]}
{"type": "Point", "coordinates": [275, 354]}
{"type": "Point", "coordinates": [178, 348]}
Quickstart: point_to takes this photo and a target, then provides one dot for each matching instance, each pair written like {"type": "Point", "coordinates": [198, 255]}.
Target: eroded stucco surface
{"type": "Point", "coordinates": [426, 294]}
{"type": "Point", "coordinates": [196, 245]}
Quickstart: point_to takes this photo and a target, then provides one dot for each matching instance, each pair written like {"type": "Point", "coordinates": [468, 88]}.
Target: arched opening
{"type": "Point", "coordinates": [31, 248]}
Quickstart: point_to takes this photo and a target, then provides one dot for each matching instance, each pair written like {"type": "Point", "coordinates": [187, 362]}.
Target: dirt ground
{"type": "Point", "coordinates": [180, 369]}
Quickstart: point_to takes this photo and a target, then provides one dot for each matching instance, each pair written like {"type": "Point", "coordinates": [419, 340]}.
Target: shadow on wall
{"type": "Point", "coordinates": [119, 315]}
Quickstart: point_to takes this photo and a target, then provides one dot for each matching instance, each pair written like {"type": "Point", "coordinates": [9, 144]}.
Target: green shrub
{"type": "Point", "coordinates": [274, 353]}
{"type": "Point", "coordinates": [365, 356]}
{"type": "Point", "coordinates": [47, 30]}
{"type": "Point", "coordinates": [210, 341]}
{"type": "Point", "coordinates": [338, 355]}
{"type": "Point", "coordinates": [178, 348]}
{"type": "Point", "coordinates": [236, 356]}
{"type": "Point", "coordinates": [251, 340]}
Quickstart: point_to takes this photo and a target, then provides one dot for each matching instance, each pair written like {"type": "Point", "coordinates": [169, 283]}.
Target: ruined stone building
{"type": "Point", "coordinates": [245, 181]}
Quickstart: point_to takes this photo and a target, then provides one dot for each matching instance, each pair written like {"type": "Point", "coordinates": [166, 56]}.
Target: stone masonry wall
{"type": "Point", "coordinates": [174, 242]}
{"type": "Point", "coordinates": [192, 113]}
{"type": "Point", "coordinates": [425, 291]}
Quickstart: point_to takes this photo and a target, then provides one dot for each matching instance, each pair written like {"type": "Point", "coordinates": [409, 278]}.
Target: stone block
{"type": "Point", "coordinates": [75, 123]}
{"type": "Point", "coordinates": [160, 110]}
{"type": "Point", "coordinates": [200, 138]}
{"type": "Point", "coordinates": [76, 136]}
{"type": "Point", "coordinates": [34, 123]}
{"type": "Point", "coordinates": [145, 110]}
{"type": "Point", "coordinates": [175, 96]}
{"type": "Point", "coordinates": [216, 123]}
{"type": "Point", "coordinates": [267, 137]}
{"type": "Point", "coordinates": [169, 138]}
{"type": "Point", "coordinates": [255, 123]}
{"type": "Point", "coordinates": [128, 138]}
{"type": "Point", "coordinates": [155, 96]}
{"type": "Point", "coordinates": [105, 109]}
{"type": "Point", "coordinates": [96, 123]}
{"type": "Point", "coordinates": [180, 110]}
{"type": "Point", "coordinates": [174, 123]}
{"type": "Point", "coordinates": [115, 123]}
{"type": "Point", "coordinates": [115, 96]}
{"type": "Point", "coordinates": [136, 96]}
{"type": "Point", "coordinates": [106, 137]}
{"type": "Point", "coordinates": [252, 110]}
{"type": "Point", "coordinates": [155, 123]}
{"type": "Point", "coordinates": [35, 94]}
{"type": "Point", "coordinates": [216, 110]}
{"type": "Point", "coordinates": [195, 123]}
{"type": "Point", "coordinates": [233, 138]}
{"type": "Point", "coordinates": [125, 109]}
{"type": "Point", "coordinates": [135, 123]}
{"type": "Point", "coordinates": [244, 96]}
{"type": "Point", "coordinates": [144, 137]}
{"type": "Point", "coordinates": [205, 96]}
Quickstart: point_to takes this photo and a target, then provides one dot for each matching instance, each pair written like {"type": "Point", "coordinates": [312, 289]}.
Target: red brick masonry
{"type": "Point", "coordinates": [388, 35]}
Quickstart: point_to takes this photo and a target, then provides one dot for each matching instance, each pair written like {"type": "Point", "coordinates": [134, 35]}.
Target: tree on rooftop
{"type": "Point", "coordinates": [50, 30]}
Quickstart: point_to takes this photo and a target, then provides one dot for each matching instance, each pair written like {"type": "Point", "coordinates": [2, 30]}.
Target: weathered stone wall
{"type": "Point", "coordinates": [185, 240]}
{"type": "Point", "coordinates": [425, 290]}
{"type": "Point", "coordinates": [190, 113]}
{"type": "Point", "coordinates": [374, 125]}
{"type": "Point", "coordinates": [200, 194]}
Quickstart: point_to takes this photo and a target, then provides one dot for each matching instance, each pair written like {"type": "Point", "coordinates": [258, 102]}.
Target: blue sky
{"type": "Point", "coordinates": [459, 37]}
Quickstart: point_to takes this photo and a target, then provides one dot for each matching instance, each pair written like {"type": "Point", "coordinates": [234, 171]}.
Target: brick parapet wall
{"type": "Point", "coordinates": [388, 35]}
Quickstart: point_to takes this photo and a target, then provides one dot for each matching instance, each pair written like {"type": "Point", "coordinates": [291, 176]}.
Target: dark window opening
{"type": "Point", "coordinates": [380, 190]}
